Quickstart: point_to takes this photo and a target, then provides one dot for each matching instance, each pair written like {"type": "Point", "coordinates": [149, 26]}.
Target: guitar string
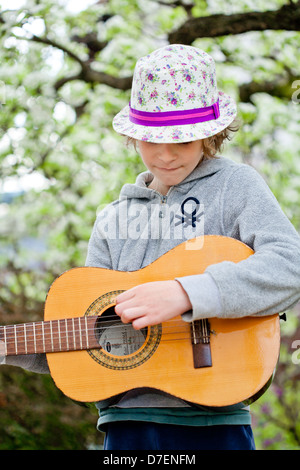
{"type": "Point", "coordinates": [83, 328]}
{"type": "Point", "coordinates": [104, 319]}
{"type": "Point", "coordinates": [63, 335]}
{"type": "Point", "coordinates": [85, 348]}
{"type": "Point", "coordinates": [68, 336]}
{"type": "Point", "coordinates": [119, 324]}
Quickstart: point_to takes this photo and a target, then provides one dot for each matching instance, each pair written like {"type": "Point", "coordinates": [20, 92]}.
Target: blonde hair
{"type": "Point", "coordinates": [211, 145]}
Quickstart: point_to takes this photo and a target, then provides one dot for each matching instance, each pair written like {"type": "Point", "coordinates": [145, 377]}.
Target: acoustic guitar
{"type": "Point", "coordinates": [93, 356]}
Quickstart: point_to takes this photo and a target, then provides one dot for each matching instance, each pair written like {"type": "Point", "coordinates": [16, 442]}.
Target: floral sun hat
{"type": "Point", "coordinates": [174, 98]}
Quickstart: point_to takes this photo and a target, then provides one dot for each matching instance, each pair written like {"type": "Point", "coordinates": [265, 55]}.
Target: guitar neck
{"type": "Point", "coordinates": [70, 334]}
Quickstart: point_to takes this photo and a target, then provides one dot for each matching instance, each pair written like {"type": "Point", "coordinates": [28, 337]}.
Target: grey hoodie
{"type": "Point", "coordinates": [219, 197]}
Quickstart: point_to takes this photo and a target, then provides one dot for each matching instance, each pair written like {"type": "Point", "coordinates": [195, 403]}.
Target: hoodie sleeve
{"type": "Point", "coordinates": [32, 362]}
{"type": "Point", "coordinates": [267, 282]}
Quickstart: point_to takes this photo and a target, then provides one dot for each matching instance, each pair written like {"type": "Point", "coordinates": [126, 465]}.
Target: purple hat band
{"type": "Point", "coordinates": [174, 118]}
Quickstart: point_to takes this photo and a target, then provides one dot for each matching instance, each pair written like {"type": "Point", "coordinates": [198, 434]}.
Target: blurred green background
{"type": "Point", "coordinates": [65, 71]}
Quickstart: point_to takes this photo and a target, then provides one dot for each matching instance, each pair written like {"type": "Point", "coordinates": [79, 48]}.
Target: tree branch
{"type": "Point", "coordinates": [87, 73]}
{"type": "Point", "coordinates": [280, 86]}
{"type": "Point", "coordinates": [52, 43]}
{"type": "Point", "coordinates": [286, 18]}
{"type": "Point", "coordinates": [93, 76]}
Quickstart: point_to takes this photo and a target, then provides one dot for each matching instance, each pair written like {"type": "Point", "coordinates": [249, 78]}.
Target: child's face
{"type": "Point", "coordinates": [170, 163]}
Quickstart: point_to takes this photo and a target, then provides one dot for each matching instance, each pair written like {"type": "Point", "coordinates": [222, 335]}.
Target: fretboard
{"type": "Point", "coordinates": [69, 334]}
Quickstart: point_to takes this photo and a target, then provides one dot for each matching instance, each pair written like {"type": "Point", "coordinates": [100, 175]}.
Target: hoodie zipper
{"type": "Point", "coordinates": [161, 215]}
{"type": "Point", "coordinates": [163, 201]}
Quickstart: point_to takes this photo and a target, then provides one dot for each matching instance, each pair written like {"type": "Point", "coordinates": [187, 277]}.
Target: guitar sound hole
{"type": "Point", "coordinates": [117, 338]}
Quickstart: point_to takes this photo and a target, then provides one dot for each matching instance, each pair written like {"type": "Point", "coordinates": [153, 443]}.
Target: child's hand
{"type": "Point", "coordinates": [152, 303]}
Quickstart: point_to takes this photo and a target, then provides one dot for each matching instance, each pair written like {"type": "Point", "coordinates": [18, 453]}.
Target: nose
{"type": "Point", "coordinates": [167, 153]}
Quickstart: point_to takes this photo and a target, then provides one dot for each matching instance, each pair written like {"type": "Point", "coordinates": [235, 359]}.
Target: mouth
{"type": "Point", "coordinates": [169, 169]}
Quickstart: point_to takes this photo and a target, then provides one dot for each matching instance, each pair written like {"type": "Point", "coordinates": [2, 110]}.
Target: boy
{"type": "Point", "coordinates": [178, 121]}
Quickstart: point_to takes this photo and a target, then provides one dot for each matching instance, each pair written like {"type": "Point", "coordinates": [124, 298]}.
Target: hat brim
{"type": "Point", "coordinates": [173, 134]}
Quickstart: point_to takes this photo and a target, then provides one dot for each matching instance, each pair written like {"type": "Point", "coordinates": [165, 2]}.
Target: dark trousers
{"type": "Point", "coordinates": [135, 435]}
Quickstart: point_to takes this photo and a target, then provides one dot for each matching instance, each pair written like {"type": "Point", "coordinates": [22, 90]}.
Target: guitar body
{"type": "Point", "coordinates": [244, 351]}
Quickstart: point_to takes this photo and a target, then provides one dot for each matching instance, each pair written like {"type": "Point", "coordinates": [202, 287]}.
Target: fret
{"type": "Point", "coordinates": [16, 341]}
{"type": "Point", "coordinates": [4, 332]}
{"type": "Point", "coordinates": [59, 335]}
{"type": "Point", "coordinates": [34, 337]}
{"type": "Point", "coordinates": [7, 339]}
{"type": "Point", "coordinates": [86, 333]}
{"type": "Point", "coordinates": [67, 335]}
{"type": "Point", "coordinates": [29, 338]}
{"type": "Point", "coordinates": [20, 339]}
{"type": "Point", "coordinates": [47, 346]}
{"type": "Point", "coordinates": [51, 332]}
{"type": "Point", "coordinates": [22, 343]}
{"type": "Point", "coordinates": [3, 340]}
{"type": "Point", "coordinates": [80, 333]}
{"type": "Point", "coordinates": [43, 337]}
{"type": "Point", "coordinates": [25, 339]}
{"type": "Point", "coordinates": [83, 333]}
{"type": "Point", "coordinates": [55, 339]}
{"type": "Point", "coordinates": [63, 329]}
{"type": "Point", "coordinates": [39, 337]}
{"type": "Point", "coordinates": [74, 335]}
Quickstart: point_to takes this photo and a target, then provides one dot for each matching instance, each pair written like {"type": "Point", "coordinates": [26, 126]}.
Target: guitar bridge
{"type": "Point", "coordinates": [200, 336]}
